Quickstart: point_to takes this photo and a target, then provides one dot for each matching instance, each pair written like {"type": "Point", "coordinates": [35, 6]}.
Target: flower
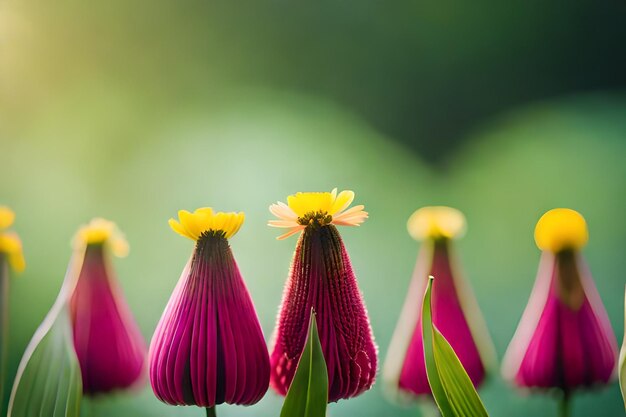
{"type": "Point", "coordinates": [303, 209]}
{"type": "Point", "coordinates": [208, 347]}
{"type": "Point", "coordinates": [7, 217]}
{"type": "Point", "coordinates": [564, 339]}
{"type": "Point", "coordinates": [10, 243]}
{"type": "Point", "coordinates": [11, 255]}
{"type": "Point", "coordinates": [455, 311]}
{"type": "Point", "coordinates": [322, 278]}
{"type": "Point", "coordinates": [110, 349]}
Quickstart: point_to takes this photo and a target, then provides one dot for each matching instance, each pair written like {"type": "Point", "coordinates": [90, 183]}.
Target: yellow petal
{"type": "Point", "coordinates": [7, 216]}
{"type": "Point", "coordinates": [237, 223]}
{"type": "Point", "coordinates": [190, 224]}
{"type": "Point", "coordinates": [560, 229]}
{"type": "Point", "coordinates": [193, 225]}
{"type": "Point", "coordinates": [208, 211]}
{"type": "Point", "coordinates": [303, 203]}
{"type": "Point", "coordinates": [178, 228]}
{"type": "Point", "coordinates": [343, 200]}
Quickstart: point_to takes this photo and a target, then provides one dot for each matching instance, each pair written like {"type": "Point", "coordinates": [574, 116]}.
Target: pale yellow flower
{"type": "Point", "coordinates": [436, 222]}
{"type": "Point", "coordinates": [101, 231]}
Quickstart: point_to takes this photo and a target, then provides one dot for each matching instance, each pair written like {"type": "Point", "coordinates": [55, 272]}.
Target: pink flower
{"type": "Point", "coordinates": [322, 278]}
{"type": "Point", "coordinates": [455, 311]}
{"type": "Point", "coordinates": [109, 346]}
{"type": "Point", "coordinates": [564, 339]}
{"type": "Point", "coordinates": [208, 347]}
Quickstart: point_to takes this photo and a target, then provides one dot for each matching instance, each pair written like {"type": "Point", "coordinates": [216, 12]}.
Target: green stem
{"type": "Point", "coordinates": [4, 324]}
{"type": "Point", "coordinates": [210, 412]}
{"type": "Point", "coordinates": [564, 405]}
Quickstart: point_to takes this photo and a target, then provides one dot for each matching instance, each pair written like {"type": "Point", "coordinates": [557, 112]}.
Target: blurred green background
{"type": "Point", "coordinates": [132, 110]}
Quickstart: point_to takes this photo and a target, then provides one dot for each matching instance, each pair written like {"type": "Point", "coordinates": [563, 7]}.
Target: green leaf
{"type": "Point", "coordinates": [48, 381]}
{"type": "Point", "coordinates": [308, 393]}
{"type": "Point", "coordinates": [452, 388]}
{"type": "Point", "coordinates": [622, 360]}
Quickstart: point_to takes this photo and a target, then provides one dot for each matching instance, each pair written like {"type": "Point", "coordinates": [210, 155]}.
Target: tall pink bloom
{"type": "Point", "coordinates": [564, 339]}
{"type": "Point", "coordinates": [322, 278]}
{"type": "Point", "coordinates": [208, 347]}
{"type": "Point", "coordinates": [110, 349]}
{"type": "Point", "coordinates": [455, 310]}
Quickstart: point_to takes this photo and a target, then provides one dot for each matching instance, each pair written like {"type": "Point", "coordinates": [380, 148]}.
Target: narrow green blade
{"type": "Point", "coordinates": [48, 381]}
{"type": "Point", "coordinates": [308, 393]}
{"type": "Point", "coordinates": [622, 360]}
{"type": "Point", "coordinates": [428, 331]}
{"type": "Point", "coordinates": [452, 388]}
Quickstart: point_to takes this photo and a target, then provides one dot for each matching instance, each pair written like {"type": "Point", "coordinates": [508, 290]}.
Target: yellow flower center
{"type": "Point", "coordinates": [561, 229]}
{"type": "Point", "coordinates": [204, 220]}
{"type": "Point", "coordinates": [99, 232]}
{"type": "Point", "coordinates": [436, 222]}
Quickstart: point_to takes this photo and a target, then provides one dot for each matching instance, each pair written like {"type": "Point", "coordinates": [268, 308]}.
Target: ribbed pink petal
{"type": "Point", "coordinates": [110, 348]}
{"type": "Point", "coordinates": [450, 316]}
{"type": "Point", "coordinates": [321, 277]}
{"type": "Point", "coordinates": [208, 347]}
{"type": "Point", "coordinates": [559, 345]}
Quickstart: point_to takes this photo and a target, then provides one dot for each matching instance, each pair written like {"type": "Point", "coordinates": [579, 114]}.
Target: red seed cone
{"type": "Point", "coordinates": [322, 278]}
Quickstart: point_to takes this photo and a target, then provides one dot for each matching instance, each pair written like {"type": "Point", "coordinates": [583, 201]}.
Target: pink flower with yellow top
{"type": "Point", "coordinates": [208, 347]}
{"type": "Point", "coordinates": [304, 209]}
{"type": "Point", "coordinates": [110, 348]}
{"type": "Point", "coordinates": [564, 340]}
{"type": "Point", "coordinates": [322, 279]}
{"type": "Point", "coordinates": [455, 312]}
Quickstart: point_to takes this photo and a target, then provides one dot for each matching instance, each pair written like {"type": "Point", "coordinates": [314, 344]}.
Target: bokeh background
{"type": "Point", "coordinates": [131, 110]}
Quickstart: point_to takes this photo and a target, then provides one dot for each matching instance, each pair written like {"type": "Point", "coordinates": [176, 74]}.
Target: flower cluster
{"type": "Point", "coordinates": [208, 347]}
